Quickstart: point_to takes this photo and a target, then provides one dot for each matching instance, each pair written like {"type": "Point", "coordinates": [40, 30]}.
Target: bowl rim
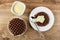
{"type": "Point", "coordinates": [24, 5]}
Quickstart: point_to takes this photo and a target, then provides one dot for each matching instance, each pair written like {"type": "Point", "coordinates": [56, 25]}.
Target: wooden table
{"type": "Point", "coordinates": [31, 34]}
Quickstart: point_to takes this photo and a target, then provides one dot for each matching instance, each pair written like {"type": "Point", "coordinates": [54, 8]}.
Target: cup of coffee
{"type": "Point", "coordinates": [17, 27]}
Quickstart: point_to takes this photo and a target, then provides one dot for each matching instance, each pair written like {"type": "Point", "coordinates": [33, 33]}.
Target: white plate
{"type": "Point", "coordinates": [46, 10]}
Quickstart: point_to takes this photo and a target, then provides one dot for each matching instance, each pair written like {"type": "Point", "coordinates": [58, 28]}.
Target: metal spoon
{"type": "Point", "coordinates": [40, 33]}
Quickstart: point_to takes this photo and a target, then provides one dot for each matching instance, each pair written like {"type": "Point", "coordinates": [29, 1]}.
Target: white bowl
{"type": "Point", "coordinates": [50, 14]}
{"type": "Point", "coordinates": [19, 34]}
{"type": "Point", "coordinates": [21, 3]}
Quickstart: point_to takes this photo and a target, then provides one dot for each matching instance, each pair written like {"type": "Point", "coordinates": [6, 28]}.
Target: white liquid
{"type": "Point", "coordinates": [18, 8]}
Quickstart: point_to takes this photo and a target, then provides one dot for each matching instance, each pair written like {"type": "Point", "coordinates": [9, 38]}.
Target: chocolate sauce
{"type": "Point", "coordinates": [45, 16]}
{"type": "Point", "coordinates": [17, 26]}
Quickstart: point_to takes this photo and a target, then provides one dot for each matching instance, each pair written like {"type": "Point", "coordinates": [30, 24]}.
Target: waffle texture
{"type": "Point", "coordinates": [17, 26]}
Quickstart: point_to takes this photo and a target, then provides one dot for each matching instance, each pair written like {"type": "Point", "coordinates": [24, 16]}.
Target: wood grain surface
{"type": "Point", "coordinates": [31, 34]}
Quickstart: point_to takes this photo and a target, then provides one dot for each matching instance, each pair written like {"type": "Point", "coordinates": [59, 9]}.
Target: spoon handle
{"type": "Point", "coordinates": [42, 37]}
{"type": "Point", "coordinates": [40, 33]}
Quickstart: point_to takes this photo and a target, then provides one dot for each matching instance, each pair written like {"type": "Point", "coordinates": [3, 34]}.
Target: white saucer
{"type": "Point", "coordinates": [50, 14]}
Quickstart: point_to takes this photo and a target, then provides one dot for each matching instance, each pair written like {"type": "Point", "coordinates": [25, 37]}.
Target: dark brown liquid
{"type": "Point", "coordinates": [45, 16]}
{"type": "Point", "coordinates": [17, 26]}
